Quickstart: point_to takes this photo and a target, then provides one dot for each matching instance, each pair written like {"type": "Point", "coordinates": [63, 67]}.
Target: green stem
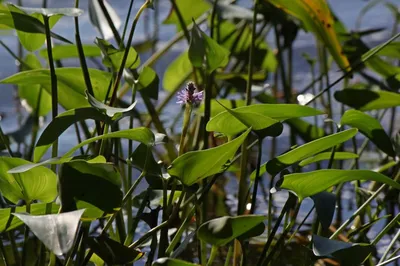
{"type": "Point", "coordinates": [185, 126]}
{"type": "Point", "coordinates": [149, 234]}
{"type": "Point", "coordinates": [4, 140]}
{"type": "Point", "coordinates": [257, 179]}
{"type": "Point", "coordinates": [390, 246]}
{"type": "Point", "coordinates": [180, 232]}
{"type": "Point", "coordinates": [26, 238]}
{"type": "Point", "coordinates": [214, 252]}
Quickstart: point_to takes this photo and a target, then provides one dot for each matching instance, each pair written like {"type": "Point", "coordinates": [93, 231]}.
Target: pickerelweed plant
{"type": "Point", "coordinates": [234, 172]}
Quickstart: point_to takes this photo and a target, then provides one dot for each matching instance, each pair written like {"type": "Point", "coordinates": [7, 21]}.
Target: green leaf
{"type": "Point", "coordinates": [148, 82]}
{"type": "Point", "coordinates": [229, 125]}
{"type": "Point", "coordinates": [325, 205]}
{"type": "Point", "coordinates": [113, 252]}
{"type": "Point", "coordinates": [366, 100]}
{"type": "Point", "coordinates": [38, 184]}
{"type": "Point", "coordinates": [371, 128]}
{"type": "Point", "coordinates": [346, 253]}
{"type": "Point", "coordinates": [70, 82]}
{"type": "Point", "coordinates": [112, 112]}
{"type": "Point", "coordinates": [140, 134]}
{"type": "Point", "coordinates": [172, 262]}
{"type": "Point", "coordinates": [194, 166]}
{"type": "Point", "coordinates": [8, 222]}
{"type": "Point", "coordinates": [205, 52]}
{"type": "Point", "coordinates": [25, 23]}
{"type": "Point", "coordinates": [217, 108]}
{"type": "Point", "coordinates": [311, 183]}
{"type": "Point", "coordinates": [189, 9]}
{"type": "Point", "coordinates": [323, 156]}
{"type": "Point", "coordinates": [391, 50]}
{"type": "Point", "coordinates": [317, 18]}
{"type": "Point", "coordinates": [279, 163]}
{"type": "Point", "coordinates": [95, 183]}
{"type": "Point", "coordinates": [112, 57]}
{"type": "Point", "coordinates": [61, 123]}
{"type": "Point", "coordinates": [70, 51]}
{"type": "Point", "coordinates": [31, 93]}
{"type": "Point", "coordinates": [56, 231]}
{"type": "Point", "coordinates": [177, 72]}
{"type": "Point", "coordinates": [221, 231]}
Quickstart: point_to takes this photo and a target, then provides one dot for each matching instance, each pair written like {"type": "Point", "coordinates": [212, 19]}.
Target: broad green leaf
{"type": "Point", "coordinates": [95, 183]}
{"type": "Point", "coordinates": [25, 23]}
{"type": "Point", "coordinates": [172, 262]}
{"type": "Point", "coordinates": [194, 166]}
{"type": "Point", "coordinates": [177, 72]}
{"type": "Point", "coordinates": [70, 81]}
{"type": "Point", "coordinates": [317, 18]}
{"type": "Point", "coordinates": [280, 162]}
{"type": "Point", "coordinates": [346, 253]}
{"type": "Point", "coordinates": [325, 205]}
{"type": "Point", "coordinates": [61, 123]}
{"type": "Point", "coordinates": [48, 12]}
{"type": "Point", "coordinates": [148, 82]}
{"type": "Point", "coordinates": [8, 222]}
{"type": "Point", "coordinates": [217, 108]}
{"type": "Point", "coordinates": [56, 231]}
{"type": "Point", "coordinates": [307, 131]}
{"type": "Point", "coordinates": [366, 100]}
{"type": "Point", "coordinates": [71, 51]}
{"type": "Point", "coordinates": [221, 231]}
{"type": "Point", "coordinates": [112, 112]}
{"type": "Point", "coordinates": [229, 125]}
{"type": "Point", "coordinates": [140, 134]}
{"type": "Point", "coordinates": [113, 252]}
{"type": "Point", "coordinates": [206, 52]}
{"type": "Point", "coordinates": [189, 9]}
{"type": "Point", "coordinates": [392, 50]}
{"type": "Point", "coordinates": [311, 183]}
{"type": "Point", "coordinates": [323, 156]}
{"type": "Point", "coordinates": [371, 128]}
{"type": "Point", "coordinates": [31, 93]}
{"type": "Point", "coordinates": [112, 57]}
{"type": "Point", "coordinates": [38, 184]}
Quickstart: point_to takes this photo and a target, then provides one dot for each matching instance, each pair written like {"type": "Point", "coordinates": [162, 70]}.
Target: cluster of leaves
{"type": "Point", "coordinates": [82, 204]}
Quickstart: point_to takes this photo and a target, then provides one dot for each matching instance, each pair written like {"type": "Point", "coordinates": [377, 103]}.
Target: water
{"type": "Point", "coordinates": [346, 10]}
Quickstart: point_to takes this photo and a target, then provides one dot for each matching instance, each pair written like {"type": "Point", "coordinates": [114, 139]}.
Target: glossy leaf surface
{"type": "Point", "coordinates": [70, 51]}
{"type": "Point", "coordinates": [323, 156]}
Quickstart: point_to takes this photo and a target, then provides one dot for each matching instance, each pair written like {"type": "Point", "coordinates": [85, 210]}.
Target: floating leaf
{"type": "Point", "coordinates": [112, 57]}
{"type": "Point", "coordinates": [95, 183]}
{"type": "Point", "coordinates": [194, 166]}
{"type": "Point", "coordinates": [70, 51]}
{"type": "Point", "coordinates": [56, 231]}
{"type": "Point", "coordinates": [112, 112]}
{"type": "Point", "coordinates": [70, 82]}
{"type": "Point", "coordinates": [311, 183]}
{"type": "Point", "coordinates": [206, 52]}
{"type": "Point", "coordinates": [221, 231]}
{"type": "Point", "coordinates": [346, 253]}
{"type": "Point", "coordinates": [113, 252]}
{"type": "Point", "coordinates": [327, 156]}
{"type": "Point", "coordinates": [229, 125]}
{"type": "Point", "coordinates": [317, 18]}
{"type": "Point", "coordinates": [325, 205]}
{"type": "Point", "coordinates": [279, 163]}
{"type": "Point", "coordinates": [371, 128]}
{"type": "Point", "coordinates": [31, 93]}
{"type": "Point", "coordinates": [8, 222]}
{"type": "Point", "coordinates": [366, 100]}
{"type": "Point", "coordinates": [61, 123]}
{"type": "Point", "coordinates": [38, 184]}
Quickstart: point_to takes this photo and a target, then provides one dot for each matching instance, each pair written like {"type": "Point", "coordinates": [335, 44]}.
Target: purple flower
{"type": "Point", "coordinates": [188, 95]}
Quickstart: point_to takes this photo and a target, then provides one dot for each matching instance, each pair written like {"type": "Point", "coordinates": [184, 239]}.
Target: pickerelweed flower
{"type": "Point", "coordinates": [188, 95]}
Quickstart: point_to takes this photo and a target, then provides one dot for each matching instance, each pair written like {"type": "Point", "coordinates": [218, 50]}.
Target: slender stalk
{"type": "Point", "coordinates": [389, 261]}
{"type": "Point", "coordinates": [257, 179]}
{"type": "Point", "coordinates": [4, 254]}
{"type": "Point", "coordinates": [26, 238]}
{"type": "Point", "coordinates": [214, 252]}
{"type": "Point", "coordinates": [390, 246]}
{"type": "Point", "coordinates": [127, 20]}
{"type": "Point", "coordinates": [4, 140]}
{"type": "Point", "coordinates": [186, 123]}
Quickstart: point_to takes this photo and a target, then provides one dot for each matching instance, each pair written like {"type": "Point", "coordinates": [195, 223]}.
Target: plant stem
{"type": "Point", "coordinates": [214, 252]}
{"type": "Point", "coordinates": [185, 126]}
{"type": "Point", "coordinates": [4, 140]}
{"type": "Point", "coordinates": [257, 179]}
{"type": "Point", "coordinates": [26, 238]}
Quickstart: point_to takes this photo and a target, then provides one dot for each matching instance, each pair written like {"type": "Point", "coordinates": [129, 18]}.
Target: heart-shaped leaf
{"type": "Point", "coordinates": [194, 166]}
{"type": "Point", "coordinates": [280, 162]}
{"type": "Point", "coordinates": [311, 183]}
{"type": "Point", "coordinates": [221, 231]}
{"type": "Point", "coordinates": [227, 124]}
{"type": "Point", "coordinates": [371, 128]}
{"type": "Point", "coordinates": [38, 184]}
{"type": "Point", "coordinates": [56, 231]}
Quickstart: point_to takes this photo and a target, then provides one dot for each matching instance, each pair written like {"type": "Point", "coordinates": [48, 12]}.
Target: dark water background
{"type": "Point", "coordinates": [346, 10]}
